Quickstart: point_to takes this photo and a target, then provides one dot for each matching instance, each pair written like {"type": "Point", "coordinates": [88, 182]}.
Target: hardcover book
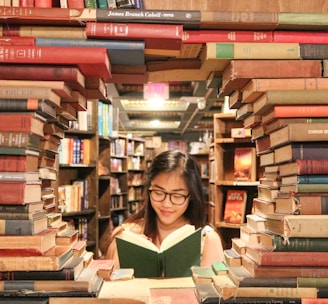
{"type": "Point", "coordinates": [180, 248]}
{"type": "Point", "coordinates": [244, 164]}
{"type": "Point", "coordinates": [304, 166]}
{"type": "Point", "coordinates": [19, 192]}
{"type": "Point", "coordinates": [18, 163]}
{"type": "Point", "coordinates": [235, 205]}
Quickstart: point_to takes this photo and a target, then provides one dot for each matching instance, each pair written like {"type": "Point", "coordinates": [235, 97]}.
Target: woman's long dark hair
{"type": "Point", "coordinates": [170, 161]}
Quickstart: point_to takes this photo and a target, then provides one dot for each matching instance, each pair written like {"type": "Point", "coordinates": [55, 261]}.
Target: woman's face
{"type": "Point", "coordinates": [170, 214]}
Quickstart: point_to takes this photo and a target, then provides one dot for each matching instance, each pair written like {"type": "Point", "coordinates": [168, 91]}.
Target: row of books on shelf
{"type": "Point", "coordinates": [134, 193]}
{"type": "Point", "coordinates": [74, 151]}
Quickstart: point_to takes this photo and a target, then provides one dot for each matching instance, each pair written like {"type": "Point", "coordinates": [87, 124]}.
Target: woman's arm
{"type": "Point", "coordinates": [213, 249]}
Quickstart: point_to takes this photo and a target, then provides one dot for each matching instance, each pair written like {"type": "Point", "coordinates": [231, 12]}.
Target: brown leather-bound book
{"type": "Point", "coordinates": [239, 72]}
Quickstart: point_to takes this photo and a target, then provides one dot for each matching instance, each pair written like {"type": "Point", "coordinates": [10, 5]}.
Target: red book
{"type": "Point", "coordinates": [22, 122]}
{"type": "Point", "coordinates": [295, 111]}
{"type": "Point", "coordinates": [19, 163]}
{"type": "Point", "coordinates": [28, 41]}
{"type": "Point", "coordinates": [40, 15]}
{"type": "Point", "coordinates": [318, 37]}
{"type": "Point", "coordinates": [263, 256]}
{"type": "Point", "coordinates": [234, 210]}
{"type": "Point", "coordinates": [70, 74]}
{"type": "Point", "coordinates": [93, 62]}
{"type": "Point", "coordinates": [203, 36]}
{"type": "Point", "coordinates": [156, 36]}
{"type": "Point", "coordinates": [304, 166]}
{"type": "Point", "coordinates": [19, 193]}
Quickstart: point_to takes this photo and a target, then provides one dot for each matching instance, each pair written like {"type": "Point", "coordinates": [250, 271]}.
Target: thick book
{"type": "Point", "coordinates": [40, 106]}
{"type": "Point", "coordinates": [235, 206]}
{"type": "Point", "coordinates": [71, 75]}
{"type": "Point", "coordinates": [70, 271]}
{"type": "Point", "coordinates": [19, 193]}
{"type": "Point", "coordinates": [244, 164]}
{"type": "Point", "coordinates": [52, 260]}
{"type": "Point", "coordinates": [155, 36]}
{"type": "Point", "coordinates": [256, 87]}
{"type": "Point", "coordinates": [304, 166]}
{"type": "Point", "coordinates": [276, 242]}
{"type": "Point", "coordinates": [301, 150]}
{"type": "Point", "coordinates": [24, 227]}
{"type": "Point", "coordinates": [21, 209]}
{"type": "Point", "coordinates": [301, 37]}
{"type": "Point", "coordinates": [239, 72]}
{"type": "Point", "coordinates": [120, 52]}
{"type": "Point", "coordinates": [283, 271]}
{"type": "Point", "coordinates": [299, 132]}
{"type": "Point", "coordinates": [302, 110]}
{"type": "Point", "coordinates": [92, 62]}
{"type": "Point", "coordinates": [290, 97]}
{"type": "Point", "coordinates": [204, 36]}
{"type": "Point", "coordinates": [181, 247]}
{"type": "Point", "coordinates": [18, 162]}
{"type": "Point", "coordinates": [28, 177]}
{"type": "Point", "coordinates": [264, 256]}
{"type": "Point", "coordinates": [36, 244]}
{"type": "Point", "coordinates": [190, 19]}
{"type": "Point", "coordinates": [19, 140]}
{"type": "Point", "coordinates": [304, 188]}
{"type": "Point", "coordinates": [313, 51]}
{"type": "Point", "coordinates": [303, 203]}
{"type": "Point", "coordinates": [22, 122]}
{"type": "Point", "coordinates": [228, 290]}
{"type": "Point", "coordinates": [290, 226]}
{"type": "Point", "coordinates": [84, 282]}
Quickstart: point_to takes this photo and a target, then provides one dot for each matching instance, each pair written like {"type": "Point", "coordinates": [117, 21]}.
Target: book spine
{"type": "Point", "coordinates": [313, 51]}
{"type": "Point", "coordinates": [312, 179]}
{"type": "Point", "coordinates": [301, 111]}
{"type": "Point", "coordinates": [18, 139]}
{"type": "Point", "coordinates": [301, 37]}
{"type": "Point", "coordinates": [187, 18]}
{"type": "Point", "coordinates": [300, 244]}
{"type": "Point", "coordinates": [12, 41]}
{"type": "Point", "coordinates": [64, 274]}
{"type": "Point", "coordinates": [204, 36]}
{"type": "Point", "coordinates": [133, 30]}
{"type": "Point", "coordinates": [293, 259]}
{"type": "Point", "coordinates": [312, 166]}
{"type": "Point", "coordinates": [251, 50]}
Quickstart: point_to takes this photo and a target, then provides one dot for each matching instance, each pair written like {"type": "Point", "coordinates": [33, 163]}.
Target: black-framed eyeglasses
{"type": "Point", "coordinates": [160, 196]}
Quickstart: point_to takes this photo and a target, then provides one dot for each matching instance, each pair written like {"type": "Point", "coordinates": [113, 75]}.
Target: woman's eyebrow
{"type": "Point", "coordinates": [173, 190]}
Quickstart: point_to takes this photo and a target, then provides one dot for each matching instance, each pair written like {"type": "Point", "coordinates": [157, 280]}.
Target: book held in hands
{"type": "Point", "coordinates": [178, 252]}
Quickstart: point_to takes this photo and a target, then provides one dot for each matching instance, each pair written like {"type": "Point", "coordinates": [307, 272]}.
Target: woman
{"type": "Point", "coordinates": [174, 197]}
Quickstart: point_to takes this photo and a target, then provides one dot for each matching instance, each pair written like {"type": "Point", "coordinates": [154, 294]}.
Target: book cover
{"type": "Point", "coordinates": [304, 188]}
{"type": "Point", "coordinates": [92, 62]}
{"type": "Point", "coordinates": [28, 177]}
{"type": "Point", "coordinates": [180, 248]}
{"type": "Point", "coordinates": [313, 51]}
{"type": "Point", "coordinates": [244, 164]}
{"type": "Point", "coordinates": [202, 274]}
{"type": "Point", "coordinates": [301, 37]}
{"type": "Point", "coordinates": [235, 205]}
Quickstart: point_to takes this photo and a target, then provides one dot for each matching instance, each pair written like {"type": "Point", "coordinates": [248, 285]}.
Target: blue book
{"type": "Point", "coordinates": [120, 52]}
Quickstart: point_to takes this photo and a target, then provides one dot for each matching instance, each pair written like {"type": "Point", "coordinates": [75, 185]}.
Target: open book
{"type": "Point", "coordinates": [178, 252]}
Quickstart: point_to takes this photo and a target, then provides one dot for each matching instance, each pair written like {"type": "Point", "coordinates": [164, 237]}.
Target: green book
{"type": "Point", "coordinates": [179, 251]}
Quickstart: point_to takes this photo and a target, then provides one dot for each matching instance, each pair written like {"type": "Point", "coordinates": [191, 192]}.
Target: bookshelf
{"type": "Point", "coordinates": [136, 168]}
{"type": "Point", "coordinates": [222, 176]}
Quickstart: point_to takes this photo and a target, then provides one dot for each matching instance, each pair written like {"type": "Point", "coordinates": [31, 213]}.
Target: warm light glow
{"type": "Point", "coordinates": [156, 102]}
{"type": "Point", "coordinates": [160, 105]}
{"type": "Point", "coordinates": [155, 123]}
{"type": "Point", "coordinates": [146, 124]}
